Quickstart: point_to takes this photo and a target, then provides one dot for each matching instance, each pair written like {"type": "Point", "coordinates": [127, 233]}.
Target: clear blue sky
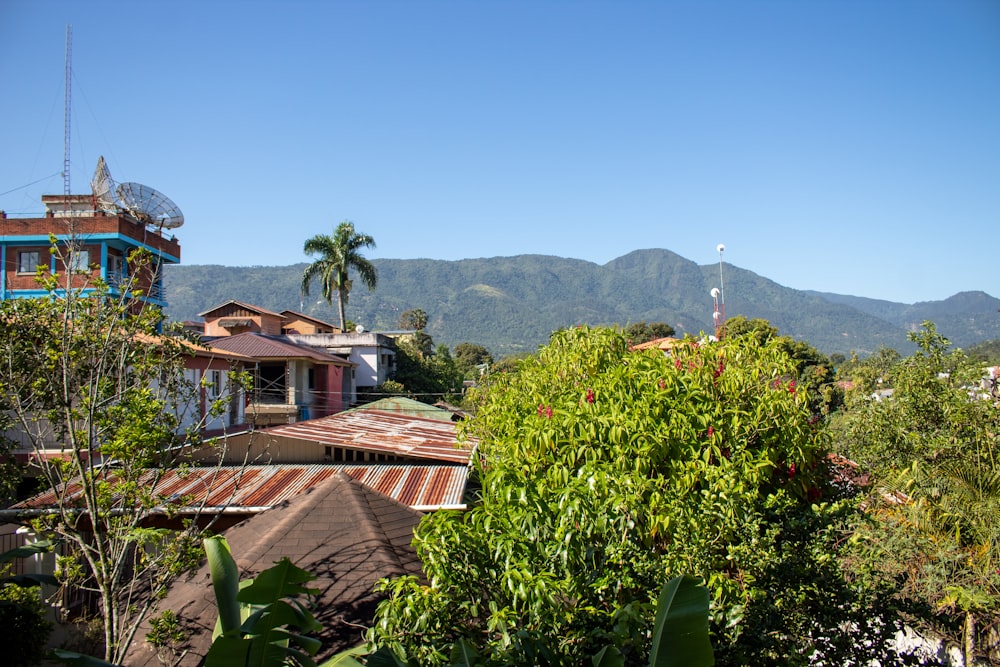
{"type": "Point", "coordinates": [850, 146]}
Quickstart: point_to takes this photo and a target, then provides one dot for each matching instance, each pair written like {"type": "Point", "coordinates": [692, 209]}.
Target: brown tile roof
{"type": "Point", "coordinates": [255, 488]}
{"type": "Point", "coordinates": [261, 347]}
{"type": "Point", "coordinates": [241, 304]}
{"type": "Point", "coordinates": [341, 531]}
{"type": "Point", "coordinates": [382, 432]}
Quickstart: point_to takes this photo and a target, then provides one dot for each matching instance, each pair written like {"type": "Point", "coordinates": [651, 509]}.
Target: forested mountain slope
{"type": "Point", "coordinates": [512, 304]}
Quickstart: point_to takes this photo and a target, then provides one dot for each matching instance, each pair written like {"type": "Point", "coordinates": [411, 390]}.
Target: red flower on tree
{"type": "Point", "coordinates": [590, 395]}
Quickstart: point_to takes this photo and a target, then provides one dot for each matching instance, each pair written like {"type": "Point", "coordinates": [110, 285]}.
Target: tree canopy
{"type": "Point", "coordinates": [604, 472]}
{"type": "Point", "coordinates": [641, 332]}
{"type": "Point", "coordinates": [932, 535]}
{"type": "Point", "coordinates": [339, 254]}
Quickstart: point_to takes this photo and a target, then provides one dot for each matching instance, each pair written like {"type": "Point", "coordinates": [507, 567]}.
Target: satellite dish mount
{"type": "Point", "coordinates": [145, 204]}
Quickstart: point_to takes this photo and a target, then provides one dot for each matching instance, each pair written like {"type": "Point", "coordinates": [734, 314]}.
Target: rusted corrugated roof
{"type": "Point", "coordinates": [261, 346]}
{"type": "Point", "coordinates": [382, 432]}
{"type": "Point", "coordinates": [258, 487]}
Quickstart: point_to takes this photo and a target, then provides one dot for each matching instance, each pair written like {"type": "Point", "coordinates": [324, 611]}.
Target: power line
{"type": "Point", "coordinates": [28, 185]}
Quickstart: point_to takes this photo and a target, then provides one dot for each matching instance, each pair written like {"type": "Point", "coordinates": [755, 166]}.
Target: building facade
{"type": "Point", "coordinates": [89, 244]}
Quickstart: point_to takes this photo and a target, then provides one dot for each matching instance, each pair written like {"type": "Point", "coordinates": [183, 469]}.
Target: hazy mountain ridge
{"type": "Point", "coordinates": [513, 304]}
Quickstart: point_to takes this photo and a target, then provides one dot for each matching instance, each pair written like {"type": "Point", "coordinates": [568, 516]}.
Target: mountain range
{"type": "Point", "coordinates": [512, 304]}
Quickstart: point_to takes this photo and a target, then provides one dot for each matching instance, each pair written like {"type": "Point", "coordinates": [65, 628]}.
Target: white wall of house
{"type": "Point", "coordinates": [373, 354]}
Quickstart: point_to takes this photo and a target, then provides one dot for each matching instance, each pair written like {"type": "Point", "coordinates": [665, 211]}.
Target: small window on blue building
{"type": "Point", "coordinates": [27, 261]}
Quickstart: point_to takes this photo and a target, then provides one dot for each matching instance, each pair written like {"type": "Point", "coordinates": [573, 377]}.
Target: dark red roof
{"type": "Point", "coordinates": [261, 347]}
{"type": "Point", "coordinates": [255, 488]}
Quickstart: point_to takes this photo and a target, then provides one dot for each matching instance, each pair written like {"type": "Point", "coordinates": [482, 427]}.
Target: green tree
{"type": "Point", "coordinates": [871, 373]}
{"type": "Point", "coordinates": [426, 376]}
{"type": "Point", "coordinates": [933, 530]}
{"type": "Point", "coordinates": [603, 473]}
{"type": "Point", "coordinates": [88, 374]}
{"type": "Point", "coordinates": [414, 319]}
{"type": "Point", "coordinates": [339, 254]}
{"type": "Point", "coordinates": [641, 332]}
{"type": "Point", "coordinates": [469, 357]}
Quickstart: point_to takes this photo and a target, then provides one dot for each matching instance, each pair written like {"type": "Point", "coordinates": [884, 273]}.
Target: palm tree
{"type": "Point", "coordinates": [338, 254]}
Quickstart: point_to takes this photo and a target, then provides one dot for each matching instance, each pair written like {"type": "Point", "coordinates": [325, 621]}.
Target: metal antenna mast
{"type": "Point", "coordinates": [66, 113]}
{"type": "Point", "coordinates": [719, 316]}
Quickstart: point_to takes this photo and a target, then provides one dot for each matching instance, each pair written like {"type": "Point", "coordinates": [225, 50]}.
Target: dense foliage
{"type": "Point", "coordinates": [641, 332]}
{"type": "Point", "coordinates": [24, 628]}
{"type": "Point", "coordinates": [987, 352]}
{"type": "Point", "coordinates": [604, 472]}
{"type": "Point", "coordinates": [512, 304]}
{"type": "Point", "coordinates": [930, 442]}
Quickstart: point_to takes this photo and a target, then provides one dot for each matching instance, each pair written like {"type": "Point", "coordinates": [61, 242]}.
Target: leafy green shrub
{"type": "Point", "coordinates": [605, 472]}
{"type": "Point", "coordinates": [24, 630]}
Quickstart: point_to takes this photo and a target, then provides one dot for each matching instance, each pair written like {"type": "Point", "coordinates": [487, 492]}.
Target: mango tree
{"type": "Point", "coordinates": [606, 471]}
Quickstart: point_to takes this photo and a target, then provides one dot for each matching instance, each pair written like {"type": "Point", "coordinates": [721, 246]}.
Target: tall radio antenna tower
{"type": "Point", "coordinates": [66, 112]}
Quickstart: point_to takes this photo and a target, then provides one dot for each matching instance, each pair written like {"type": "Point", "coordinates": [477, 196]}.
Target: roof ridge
{"type": "Point", "coordinates": [296, 508]}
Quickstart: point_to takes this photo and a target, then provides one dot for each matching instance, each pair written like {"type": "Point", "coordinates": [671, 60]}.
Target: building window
{"type": "Point", "coordinates": [27, 261]}
{"type": "Point", "coordinates": [79, 261]}
{"type": "Point", "coordinates": [115, 269]}
{"type": "Point", "coordinates": [213, 384]}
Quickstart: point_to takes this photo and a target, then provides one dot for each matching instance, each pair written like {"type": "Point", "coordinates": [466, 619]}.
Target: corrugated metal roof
{"type": "Point", "coordinates": [382, 432]}
{"type": "Point", "coordinates": [405, 406]}
{"type": "Point", "coordinates": [257, 487]}
{"type": "Point", "coordinates": [260, 346]}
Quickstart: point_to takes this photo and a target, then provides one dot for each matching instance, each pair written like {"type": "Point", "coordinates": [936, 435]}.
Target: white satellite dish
{"type": "Point", "coordinates": [149, 205]}
{"type": "Point", "coordinates": [715, 292]}
{"type": "Point", "coordinates": [145, 204]}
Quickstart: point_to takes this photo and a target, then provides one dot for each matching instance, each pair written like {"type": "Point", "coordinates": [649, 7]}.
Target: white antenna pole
{"type": "Point", "coordinates": [722, 286]}
{"type": "Point", "coordinates": [721, 309]}
{"type": "Point", "coordinates": [66, 113]}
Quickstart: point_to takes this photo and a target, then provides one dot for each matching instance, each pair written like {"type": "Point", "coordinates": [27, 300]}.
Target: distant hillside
{"type": "Point", "coordinates": [965, 318]}
{"type": "Point", "coordinates": [512, 304]}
